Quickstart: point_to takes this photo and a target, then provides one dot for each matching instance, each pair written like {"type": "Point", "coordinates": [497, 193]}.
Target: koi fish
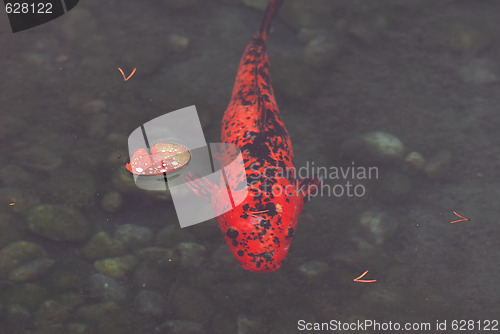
{"type": "Point", "coordinates": [260, 229]}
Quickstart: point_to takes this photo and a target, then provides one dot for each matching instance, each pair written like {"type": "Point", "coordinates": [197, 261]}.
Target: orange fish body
{"type": "Point", "coordinates": [259, 230]}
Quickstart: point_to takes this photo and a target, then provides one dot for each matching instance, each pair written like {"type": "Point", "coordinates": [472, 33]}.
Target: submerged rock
{"type": "Point", "coordinates": [134, 236]}
{"type": "Point", "coordinates": [157, 256]}
{"type": "Point", "coordinates": [313, 269]}
{"type": "Point", "coordinates": [39, 158]}
{"type": "Point", "coordinates": [438, 165]}
{"type": "Point", "coordinates": [29, 295]}
{"type": "Point", "coordinates": [97, 312]}
{"type": "Point", "coordinates": [415, 161]}
{"type": "Point", "coordinates": [18, 317]}
{"type": "Point", "coordinates": [58, 223]}
{"type": "Point", "coordinates": [51, 312]}
{"type": "Point", "coordinates": [192, 254]}
{"type": "Point", "coordinates": [116, 267]}
{"type": "Point", "coordinates": [100, 246]}
{"type": "Point", "coordinates": [177, 43]}
{"type": "Point", "coordinates": [321, 51]}
{"type": "Point", "coordinates": [379, 225]}
{"type": "Point", "coordinates": [18, 253]}
{"type": "Point", "coordinates": [479, 71]}
{"type": "Point", "coordinates": [112, 201]}
{"type": "Point", "coordinates": [150, 303]}
{"type": "Point", "coordinates": [106, 288]}
{"type": "Point", "coordinates": [9, 229]}
{"type": "Point", "coordinates": [31, 270]}
{"type": "Point", "coordinates": [376, 146]}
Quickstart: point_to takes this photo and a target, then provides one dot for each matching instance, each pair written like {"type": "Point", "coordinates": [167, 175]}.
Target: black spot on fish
{"type": "Point", "coordinates": [232, 234]}
{"type": "Point", "coordinates": [265, 224]}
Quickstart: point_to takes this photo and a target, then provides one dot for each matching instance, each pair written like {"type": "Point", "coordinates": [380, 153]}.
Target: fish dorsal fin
{"type": "Point", "coordinates": [261, 107]}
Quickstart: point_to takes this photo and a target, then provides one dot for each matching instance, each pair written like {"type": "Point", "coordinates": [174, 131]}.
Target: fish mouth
{"type": "Point", "coordinates": [262, 262]}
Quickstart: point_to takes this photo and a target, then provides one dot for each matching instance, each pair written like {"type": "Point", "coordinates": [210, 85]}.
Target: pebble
{"type": "Point", "coordinates": [321, 51]}
{"type": "Point", "coordinates": [160, 257]}
{"type": "Point", "coordinates": [106, 288]}
{"type": "Point", "coordinates": [415, 161]}
{"type": "Point", "coordinates": [31, 270]}
{"type": "Point", "coordinates": [149, 303]}
{"type": "Point", "coordinates": [479, 71]}
{"type": "Point", "coordinates": [133, 236]}
{"type": "Point", "coordinates": [222, 258]}
{"type": "Point", "coordinates": [58, 223]}
{"type": "Point", "coordinates": [379, 225]}
{"type": "Point", "coordinates": [192, 254]}
{"type": "Point", "coordinates": [100, 246]}
{"type": "Point", "coordinates": [376, 146]}
{"type": "Point", "coordinates": [438, 165]}
{"type": "Point", "coordinates": [18, 253]}
{"type": "Point", "coordinates": [116, 267]}
{"type": "Point", "coordinates": [51, 312]}
{"type": "Point", "coordinates": [39, 158]}
{"type": "Point", "coordinates": [29, 295]}
{"type": "Point", "coordinates": [96, 312]}
{"type": "Point", "coordinates": [177, 43]}
{"type": "Point", "coordinates": [146, 276]}
{"type": "Point", "coordinates": [112, 201]}
{"type": "Point", "coordinates": [313, 269]}
{"type": "Point", "coordinates": [18, 317]}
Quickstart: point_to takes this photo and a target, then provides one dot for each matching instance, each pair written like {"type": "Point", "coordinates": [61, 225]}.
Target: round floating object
{"type": "Point", "coordinates": [164, 159]}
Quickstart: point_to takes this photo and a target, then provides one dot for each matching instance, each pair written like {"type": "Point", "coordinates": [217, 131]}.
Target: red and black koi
{"type": "Point", "coordinates": [259, 230]}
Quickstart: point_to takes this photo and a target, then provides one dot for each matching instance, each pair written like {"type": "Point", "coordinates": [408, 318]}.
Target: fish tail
{"type": "Point", "coordinates": [269, 14]}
